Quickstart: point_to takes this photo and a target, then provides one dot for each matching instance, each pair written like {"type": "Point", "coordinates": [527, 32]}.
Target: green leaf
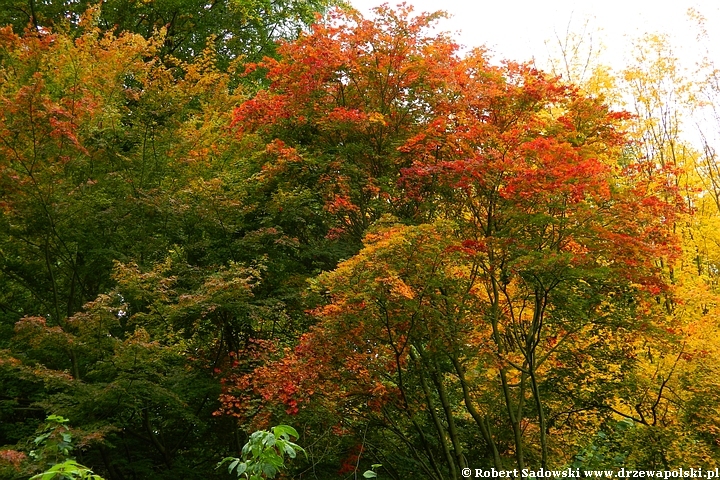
{"type": "Point", "coordinates": [269, 470]}
{"type": "Point", "coordinates": [269, 440]}
{"type": "Point", "coordinates": [41, 438]}
{"type": "Point", "coordinates": [282, 430]}
{"type": "Point", "coordinates": [57, 419]}
{"type": "Point", "coordinates": [370, 474]}
{"type": "Point", "coordinates": [290, 450]}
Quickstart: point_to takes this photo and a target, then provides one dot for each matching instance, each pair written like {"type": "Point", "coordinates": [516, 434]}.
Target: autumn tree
{"type": "Point", "coordinates": [667, 101]}
{"type": "Point", "coordinates": [342, 99]}
{"type": "Point", "coordinates": [236, 29]}
{"type": "Point", "coordinates": [549, 258]}
{"type": "Point", "coordinates": [112, 161]}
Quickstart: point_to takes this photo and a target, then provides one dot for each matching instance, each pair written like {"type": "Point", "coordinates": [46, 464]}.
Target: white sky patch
{"type": "Point", "coordinates": [518, 29]}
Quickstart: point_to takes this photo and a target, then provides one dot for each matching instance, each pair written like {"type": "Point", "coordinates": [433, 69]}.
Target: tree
{"type": "Point", "coordinates": [666, 100]}
{"type": "Point", "coordinates": [657, 87]}
{"type": "Point", "coordinates": [341, 100]}
{"type": "Point", "coordinates": [108, 155]}
{"type": "Point", "coordinates": [549, 259]}
{"type": "Point", "coordinates": [247, 28]}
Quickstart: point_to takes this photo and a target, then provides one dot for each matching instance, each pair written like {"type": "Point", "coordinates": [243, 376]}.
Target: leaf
{"type": "Point", "coordinates": [290, 450]}
{"type": "Point", "coordinates": [268, 440]}
{"type": "Point", "coordinates": [285, 431]}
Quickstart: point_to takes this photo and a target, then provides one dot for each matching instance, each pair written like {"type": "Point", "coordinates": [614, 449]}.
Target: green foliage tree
{"type": "Point", "coordinates": [107, 156]}
{"type": "Point", "coordinates": [246, 28]}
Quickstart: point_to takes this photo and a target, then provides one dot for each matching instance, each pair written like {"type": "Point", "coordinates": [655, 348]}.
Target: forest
{"type": "Point", "coordinates": [221, 219]}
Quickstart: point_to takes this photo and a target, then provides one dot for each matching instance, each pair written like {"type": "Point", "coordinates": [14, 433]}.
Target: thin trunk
{"type": "Point", "coordinates": [433, 413]}
{"type": "Point", "coordinates": [155, 440]}
{"type": "Point", "coordinates": [531, 342]}
{"type": "Point", "coordinates": [112, 471]}
{"type": "Point", "coordinates": [479, 420]}
{"type": "Point", "coordinates": [541, 417]}
{"type": "Point", "coordinates": [411, 445]}
{"type": "Point", "coordinates": [447, 408]}
{"type": "Point", "coordinates": [505, 384]}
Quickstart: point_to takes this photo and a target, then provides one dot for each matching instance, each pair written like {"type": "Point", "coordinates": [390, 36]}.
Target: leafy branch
{"type": "Point", "coordinates": [263, 456]}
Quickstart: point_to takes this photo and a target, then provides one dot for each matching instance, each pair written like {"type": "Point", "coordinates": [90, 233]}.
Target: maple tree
{"type": "Point", "coordinates": [542, 263]}
{"type": "Point", "coordinates": [341, 100]}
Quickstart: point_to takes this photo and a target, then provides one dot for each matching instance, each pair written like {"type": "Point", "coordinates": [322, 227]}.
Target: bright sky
{"type": "Point", "coordinates": [518, 29]}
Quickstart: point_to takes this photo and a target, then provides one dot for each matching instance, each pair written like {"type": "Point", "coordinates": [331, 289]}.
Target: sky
{"type": "Point", "coordinates": [519, 29]}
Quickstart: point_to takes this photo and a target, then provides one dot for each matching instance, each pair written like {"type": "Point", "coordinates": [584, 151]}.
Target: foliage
{"type": "Point", "coordinates": [93, 131]}
{"type": "Point", "coordinates": [246, 28]}
{"type": "Point", "coordinates": [67, 469]}
{"type": "Point", "coordinates": [51, 452]}
{"type": "Point", "coordinates": [666, 101]}
{"type": "Point", "coordinates": [263, 456]}
{"type": "Point", "coordinates": [606, 449]}
{"type": "Point", "coordinates": [342, 100]}
{"type": "Point", "coordinates": [423, 257]}
{"type": "Point", "coordinates": [541, 266]}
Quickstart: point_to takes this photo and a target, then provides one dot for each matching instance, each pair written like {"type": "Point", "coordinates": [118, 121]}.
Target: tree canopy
{"type": "Point", "coordinates": [233, 215]}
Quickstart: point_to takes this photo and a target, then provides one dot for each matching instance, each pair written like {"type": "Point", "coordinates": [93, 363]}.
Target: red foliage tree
{"type": "Point", "coordinates": [341, 100]}
{"type": "Point", "coordinates": [539, 244]}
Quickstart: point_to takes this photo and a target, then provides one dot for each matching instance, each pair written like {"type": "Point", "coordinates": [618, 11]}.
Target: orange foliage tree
{"type": "Point", "coordinates": [341, 100]}
{"type": "Point", "coordinates": [500, 320]}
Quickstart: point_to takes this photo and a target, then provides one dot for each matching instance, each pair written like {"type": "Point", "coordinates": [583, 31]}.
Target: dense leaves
{"type": "Point", "coordinates": [341, 102]}
{"type": "Point", "coordinates": [425, 260]}
{"type": "Point", "coordinates": [246, 28]}
{"type": "Point", "coordinates": [542, 255]}
{"type": "Point", "coordinates": [129, 265]}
